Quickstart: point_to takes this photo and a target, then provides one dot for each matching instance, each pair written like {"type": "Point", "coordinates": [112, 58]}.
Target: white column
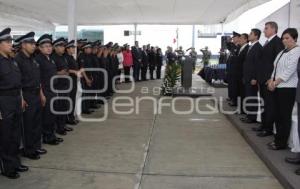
{"type": "Point", "coordinates": [72, 20]}
{"type": "Point", "coordinates": [193, 37]}
{"type": "Point", "coordinates": [135, 32]}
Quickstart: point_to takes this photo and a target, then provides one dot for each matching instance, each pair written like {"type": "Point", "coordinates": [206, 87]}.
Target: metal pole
{"type": "Point", "coordinates": [72, 20]}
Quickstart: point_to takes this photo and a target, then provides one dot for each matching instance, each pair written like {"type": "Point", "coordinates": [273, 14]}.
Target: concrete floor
{"type": "Point", "coordinates": [149, 151]}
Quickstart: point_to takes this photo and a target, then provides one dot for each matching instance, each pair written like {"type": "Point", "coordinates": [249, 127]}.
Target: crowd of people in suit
{"type": "Point", "coordinates": [38, 77]}
{"type": "Point", "coordinates": [266, 76]}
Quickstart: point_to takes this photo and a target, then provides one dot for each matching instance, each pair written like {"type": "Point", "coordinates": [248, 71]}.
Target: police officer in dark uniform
{"type": "Point", "coordinates": [86, 62]}
{"type": "Point", "coordinates": [62, 84]}
{"type": "Point", "coordinates": [48, 70]}
{"type": "Point", "coordinates": [32, 95]}
{"type": "Point", "coordinates": [11, 110]}
{"type": "Point", "coordinates": [74, 73]}
{"type": "Point", "coordinates": [233, 47]}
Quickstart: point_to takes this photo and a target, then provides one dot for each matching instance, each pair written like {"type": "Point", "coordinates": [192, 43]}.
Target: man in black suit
{"type": "Point", "coordinates": [237, 70]}
{"type": "Point", "coordinates": [272, 47]}
{"type": "Point", "coordinates": [137, 61]}
{"type": "Point", "coordinates": [145, 63]}
{"type": "Point", "coordinates": [251, 65]}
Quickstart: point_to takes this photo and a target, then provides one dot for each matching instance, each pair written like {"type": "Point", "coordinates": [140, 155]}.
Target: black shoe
{"type": "Point", "coordinates": [41, 151]}
{"type": "Point", "coordinates": [232, 104]}
{"type": "Point", "coordinates": [68, 129]}
{"type": "Point", "coordinates": [295, 161]}
{"type": "Point", "coordinates": [59, 140]}
{"type": "Point", "coordinates": [62, 133]}
{"type": "Point", "coordinates": [11, 175]}
{"type": "Point", "coordinates": [264, 134]}
{"type": "Point", "coordinates": [297, 172]}
{"type": "Point", "coordinates": [71, 122]}
{"type": "Point", "coordinates": [257, 129]}
{"type": "Point", "coordinates": [34, 156]}
{"type": "Point", "coordinates": [276, 147]}
{"type": "Point", "coordinates": [53, 142]}
{"type": "Point", "coordinates": [248, 121]}
{"type": "Point", "coordinates": [22, 168]}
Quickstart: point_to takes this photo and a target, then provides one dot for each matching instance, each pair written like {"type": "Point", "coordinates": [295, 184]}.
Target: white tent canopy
{"type": "Point", "coordinates": [45, 14]}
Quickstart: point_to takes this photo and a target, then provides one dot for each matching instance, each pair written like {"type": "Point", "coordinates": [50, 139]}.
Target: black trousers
{"type": "Point", "coordinates": [136, 71]}
{"type": "Point", "coordinates": [10, 132]}
{"type": "Point", "coordinates": [251, 97]}
{"type": "Point", "coordinates": [48, 118]}
{"type": "Point", "coordinates": [61, 105]}
{"type": "Point", "coordinates": [152, 68]}
{"type": "Point", "coordinates": [238, 89]}
{"type": "Point", "coordinates": [144, 72]}
{"type": "Point", "coordinates": [71, 116]}
{"type": "Point", "coordinates": [158, 72]}
{"type": "Point", "coordinates": [284, 104]}
{"type": "Point", "coordinates": [32, 123]}
{"type": "Point", "coordinates": [268, 114]}
{"type": "Point", "coordinates": [127, 73]}
{"type": "Point", "coordinates": [86, 103]}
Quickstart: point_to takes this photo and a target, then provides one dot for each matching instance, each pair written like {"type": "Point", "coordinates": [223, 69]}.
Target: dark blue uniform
{"type": "Point", "coordinates": [61, 84]}
{"type": "Point", "coordinates": [86, 61]}
{"type": "Point", "coordinates": [11, 112]}
{"type": "Point", "coordinates": [73, 65]}
{"type": "Point", "coordinates": [48, 70]}
{"type": "Point", "coordinates": [32, 116]}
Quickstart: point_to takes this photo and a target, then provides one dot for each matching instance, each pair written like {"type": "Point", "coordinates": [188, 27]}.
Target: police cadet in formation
{"type": "Point", "coordinates": [33, 97]}
{"type": "Point", "coordinates": [62, 86]}
{"type": "Point", "coordinates": [48, 70]}
{"type": "Point", "coordinates": [109, 68]}
{"type": "Point", "coordinates": [86, 62]}
{"type": "Point", "coordinates": [74, 73]}
{"type": "Point", "coordinates": [11, 110]}
{"type": "Point", "coordinates": [234, 48]}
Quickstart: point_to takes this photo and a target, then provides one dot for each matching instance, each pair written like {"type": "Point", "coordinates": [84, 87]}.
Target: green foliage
{"type": "Point", "coordinates": [172, 76]}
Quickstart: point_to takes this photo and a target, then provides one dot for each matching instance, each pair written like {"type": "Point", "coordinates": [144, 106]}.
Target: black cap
{"type": "Point", "coordinates": [109, 45]}
{"type": "Point", "coordinates": [16, 46]}
{"type": "Point", "coordinates": [96, 44]}
{"type": "Point", "coordinates": [5, 34]}
{"type": "Point", "coordinates": [82, 41]}
{"type": "Point", "coordinates": [115, 46]}
{"type": "Point", "coordinates": [59, 42]}
{"type": "Point", "coordinates": [46, 38]}
{"type": "Point", "coordinates": [70, 44]}
{"type": "Point", "coordinates": [235, 34]}
{"type": "Point", "coordinates": [87, 45]}
{"type": "Point", "coordinates": [27, 38]}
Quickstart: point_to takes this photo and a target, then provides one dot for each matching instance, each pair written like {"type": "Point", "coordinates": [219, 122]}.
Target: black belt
{"type": "Point", "coordinates": [32, 90]}
{"type": "Point", "coordinates": [11, 92]}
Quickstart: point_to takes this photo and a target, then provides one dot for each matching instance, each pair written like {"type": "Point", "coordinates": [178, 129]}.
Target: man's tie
{"type": "Point", "coordinates": [266, 43]}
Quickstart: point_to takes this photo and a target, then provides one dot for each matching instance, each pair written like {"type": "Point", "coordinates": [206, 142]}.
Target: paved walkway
{"type": "Point", "coordinates": [149, 151]}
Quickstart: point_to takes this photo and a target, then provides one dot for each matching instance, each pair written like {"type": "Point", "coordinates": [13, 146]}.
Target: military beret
{"type": "Point", "coordinates": [27, 38]}
{"type": "Point", "coordinates": [5, 34]}
{"type": "Point", "coordinates": [46, 38]}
